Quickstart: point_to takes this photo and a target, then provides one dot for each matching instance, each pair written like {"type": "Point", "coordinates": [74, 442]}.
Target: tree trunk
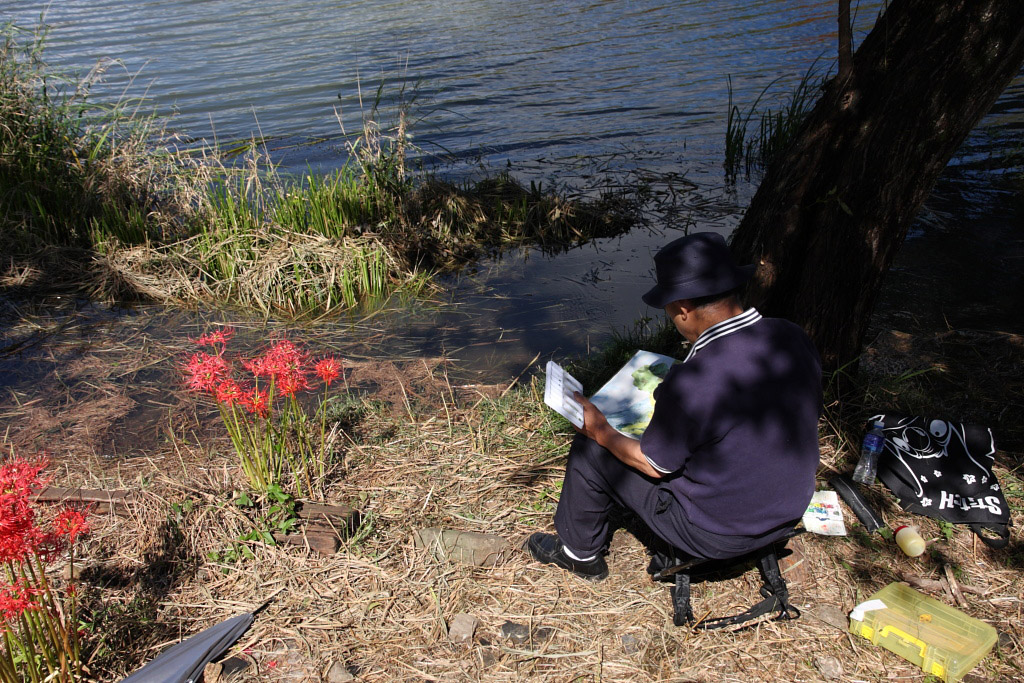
{"type": "Point", "coordinates": [834, 207]}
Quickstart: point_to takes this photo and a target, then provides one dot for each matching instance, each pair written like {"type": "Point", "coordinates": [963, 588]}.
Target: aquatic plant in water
{"type": "Point", "coordinates": [38, 622]}
{"type": "Point", "coordinates": [271, 431]}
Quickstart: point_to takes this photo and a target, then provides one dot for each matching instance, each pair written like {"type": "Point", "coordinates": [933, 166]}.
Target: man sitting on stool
{"type": "Point", "coordinates": [727, 464]}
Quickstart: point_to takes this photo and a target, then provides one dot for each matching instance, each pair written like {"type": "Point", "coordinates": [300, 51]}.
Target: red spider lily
{"type": "Point", "coordinates": [70, 524]}
{"type": "Point", "coordinates": [284, 357]}
{"type": "Point", "coordinates": [291, 382]}
{"type": "Point", "coordinates": [21, 476]}
{"type": "Point", "coordinates": [205, 371]}
{"type": "Point", "coordinates": [286, 364]}
{"type": "Point", "coordinates": [257, 402]}
{"type": "Point", "coordinates": [24, 550]}
{"type": "Point", "coordinates": [221, 336]}
{"type": "Point", "coordinates": [16, 598]}
{"type": "Point", "coordinates": [328, 369]}
{"type": "Point", "coordinates": [273, 434]}
{"type": "Point", "coordinates": [228, 392]}
{"type": "Point", "coordinates": [18, 532]}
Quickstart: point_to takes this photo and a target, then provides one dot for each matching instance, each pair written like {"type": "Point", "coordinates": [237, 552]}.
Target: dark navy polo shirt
{"type": "Point", "coordinates": [735, 426]}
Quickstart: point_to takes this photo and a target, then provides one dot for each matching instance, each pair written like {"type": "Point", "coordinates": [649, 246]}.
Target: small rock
{"type": "Point", "coordinates": [833, 616]}
{"type": "Point", "coordinates": [517, 633]}
{"type": "Point", "coordinates": [233, 665]}
{"type": "Point", "coordinates": [1004, 640]}
{"type": "Point", "coordinates": [630, 644]}
{"type": "Point", "coordinates": [339, 673]}
{"type": "Point", "coordinates": [461, 628]}
{"type": "Point", "coordinates": [830, 667]}
{"type": "Point", "coordinates": [212, 672]}
{"type": "Point", "coordinates": [543, 634]}
{"type": "Point", "coordinates": [468, 547]}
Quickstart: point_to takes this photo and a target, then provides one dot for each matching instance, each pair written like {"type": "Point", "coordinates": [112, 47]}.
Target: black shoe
{"type": "Point", "coordinates": [548, 549]}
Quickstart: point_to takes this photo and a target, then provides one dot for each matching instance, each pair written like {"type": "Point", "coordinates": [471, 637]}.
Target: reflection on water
{"type": "Point", "coordinates": [497, 80]}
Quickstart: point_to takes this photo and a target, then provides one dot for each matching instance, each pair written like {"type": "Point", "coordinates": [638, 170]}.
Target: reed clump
{"type": "Point", "coordinates": [135, 216]}
{"type": "Point", "coordinates": [748, 149]}
{"type": "Point", "coordinates": [68, 180]}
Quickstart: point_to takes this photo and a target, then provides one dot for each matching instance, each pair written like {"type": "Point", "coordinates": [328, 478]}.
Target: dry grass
{"type": "Point", "coordinates": [424, 453]}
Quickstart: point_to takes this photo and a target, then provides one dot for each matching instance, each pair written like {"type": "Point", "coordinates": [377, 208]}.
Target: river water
{"type": "Point", "coordinates": [580, 93]}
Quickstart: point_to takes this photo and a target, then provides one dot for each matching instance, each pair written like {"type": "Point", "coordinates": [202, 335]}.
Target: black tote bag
{"type": "Point", "coordinates": [943, 470]}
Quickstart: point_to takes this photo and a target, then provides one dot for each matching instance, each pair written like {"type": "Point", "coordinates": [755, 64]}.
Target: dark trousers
{"type": "Point", "coordinates": [596, 481]}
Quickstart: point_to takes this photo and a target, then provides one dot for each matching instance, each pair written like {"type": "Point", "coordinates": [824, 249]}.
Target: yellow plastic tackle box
{"type": "Point", "coordinates": [943, 641]}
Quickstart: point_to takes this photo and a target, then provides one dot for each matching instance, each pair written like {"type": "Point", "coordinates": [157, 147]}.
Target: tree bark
{"type": "Point", "coordinates": [845, 42]}
{"type": "Point", "coordinates": [834, 207]}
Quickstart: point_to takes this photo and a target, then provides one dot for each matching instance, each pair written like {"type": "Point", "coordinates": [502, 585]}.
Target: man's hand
{"type": "Point", "coordinates": [594, 421]}
{"type": "Point", "coordinates": [626, 449]}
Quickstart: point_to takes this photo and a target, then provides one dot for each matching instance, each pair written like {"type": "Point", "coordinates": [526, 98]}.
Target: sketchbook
{"type": "Point", "coordinates": [627, 399]}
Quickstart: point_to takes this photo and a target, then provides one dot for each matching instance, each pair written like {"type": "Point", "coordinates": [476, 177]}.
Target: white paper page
{"type": "Point", "coordinates": [824, 516]}
{"type": "Point", "coordinates": [559, 386]}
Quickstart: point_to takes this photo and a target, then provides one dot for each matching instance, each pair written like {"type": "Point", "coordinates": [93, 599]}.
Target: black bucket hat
{"type": "Point", "coordinates": [696, 265]}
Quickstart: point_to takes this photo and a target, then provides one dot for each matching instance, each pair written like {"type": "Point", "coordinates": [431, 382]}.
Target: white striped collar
{"type": "Point", "coordinates": [721, 329]}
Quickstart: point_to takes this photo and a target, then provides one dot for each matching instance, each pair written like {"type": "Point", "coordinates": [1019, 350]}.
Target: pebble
{"type": "Point", "coordinates": [339, 673]}
{"type": "Point", "coordinates": [461, 628]}
{"type": "Point", "coordinates": [833, 616]}
{"type": "Point", "coordinates": [543, 634]}
{"type": "Point", "coordinates": [830, 667]}
{"type": "Point", "coordinates": [517, 633]}
{"type": "Point", "coordinates": [212, 672]}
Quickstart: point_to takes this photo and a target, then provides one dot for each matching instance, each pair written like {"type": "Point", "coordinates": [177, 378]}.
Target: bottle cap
{"type": "Point", "coordinates": [879, 424]}
{"type": "Point", "coordinates": [900, 528]}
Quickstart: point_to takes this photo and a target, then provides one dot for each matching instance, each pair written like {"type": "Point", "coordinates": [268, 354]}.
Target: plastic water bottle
{"type": "Point", "coordinates": [867, 466]}
{"type": "Point", "coordinates": [909, 541]}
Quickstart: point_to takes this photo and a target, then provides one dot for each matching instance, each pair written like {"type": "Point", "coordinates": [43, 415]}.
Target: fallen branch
{"type": "Point", "coordinates": [104, 501]}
